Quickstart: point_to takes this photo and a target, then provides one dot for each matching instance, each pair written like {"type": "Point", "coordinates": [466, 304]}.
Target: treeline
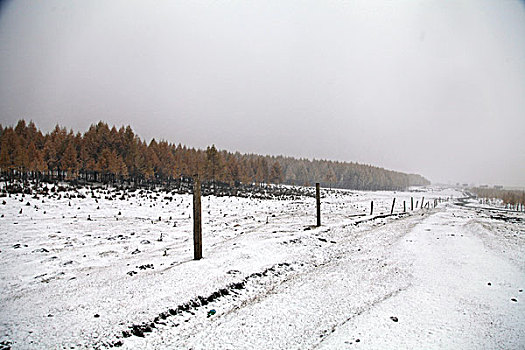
{"type": "Point", "coordinates": [509, 197]}
{"type": "Point", "coordinates": [104, 154]}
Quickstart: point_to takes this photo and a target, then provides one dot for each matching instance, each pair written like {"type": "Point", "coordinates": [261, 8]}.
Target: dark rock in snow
{"type": "Point", "coordinates": [41, 250]}
{"type": "Point", "coordinates": [394, 318]}
{"type": "Point", "coordinates": [239, 285]}
{"type": "Point", "coordinates": [514, 300]}
{"type": "Point", "coordinates": [137, 331]}
{"type": "Point", "coordinates": [5, 345]}
{"type": "Point", "coordinates": [147, 266]}
{"type": "Point", "coordinates": [490, 284]}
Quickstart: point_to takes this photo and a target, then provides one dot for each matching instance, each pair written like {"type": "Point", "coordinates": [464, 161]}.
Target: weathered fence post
{"type": "Point", "coordinates": [404, 206]}
{"type": "Point", "coordinates": [318, 202]}
{"type": "Point", "coordinates": [371, 207]}
{"type": "Point", "coordinates": [411, 203]}
{"type": "Point", "coordinates": [392, 210]}
{"type": "Point", "coordinates": [197, 223]}
{"type": "Point", "coordinates": [422, 202]}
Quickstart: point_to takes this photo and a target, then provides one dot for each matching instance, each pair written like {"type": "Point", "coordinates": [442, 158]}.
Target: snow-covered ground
{"type": "Point", "coordinates": [116, 269]}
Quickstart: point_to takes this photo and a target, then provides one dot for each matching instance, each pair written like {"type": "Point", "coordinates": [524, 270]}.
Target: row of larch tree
{"type": "Point", "coordinates": [104, 154]}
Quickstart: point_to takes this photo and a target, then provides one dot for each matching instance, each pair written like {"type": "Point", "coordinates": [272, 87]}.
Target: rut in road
{"type": "Point", "coordinates": [300, 307]}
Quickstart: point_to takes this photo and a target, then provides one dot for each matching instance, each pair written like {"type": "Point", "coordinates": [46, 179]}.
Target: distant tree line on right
{"type": "Point", "coordinates": [509, 197]}
{"type": "Point", "coordinates": [346, 175]}
{"type": "Point", "coordinates": [104, 154]}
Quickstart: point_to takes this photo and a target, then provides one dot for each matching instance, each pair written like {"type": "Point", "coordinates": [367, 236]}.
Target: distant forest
{"type": "Point", "coordinates": [104, 154]}
{"type": "Point", "coordinates": [512, 198]}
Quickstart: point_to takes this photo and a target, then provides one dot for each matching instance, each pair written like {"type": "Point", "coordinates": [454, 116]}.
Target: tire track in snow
{"type": "Point", "coordinates": [366, 277]}
{"type": "Point", "coordinates": [463, 295]}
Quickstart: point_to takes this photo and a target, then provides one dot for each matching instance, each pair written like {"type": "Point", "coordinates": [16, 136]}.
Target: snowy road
{"type": "Point", "coordinates": [462, 295]}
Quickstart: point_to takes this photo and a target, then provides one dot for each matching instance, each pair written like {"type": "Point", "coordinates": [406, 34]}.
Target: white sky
{"type": "Point", "coordinates": [431, 87]}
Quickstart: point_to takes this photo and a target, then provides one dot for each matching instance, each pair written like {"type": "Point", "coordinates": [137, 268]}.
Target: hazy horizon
{"type": "Point", "coordinates": [432, 88]}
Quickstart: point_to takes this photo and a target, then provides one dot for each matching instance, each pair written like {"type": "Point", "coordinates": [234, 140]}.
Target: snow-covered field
{"type": "Point", "coordinates": [115, 269]}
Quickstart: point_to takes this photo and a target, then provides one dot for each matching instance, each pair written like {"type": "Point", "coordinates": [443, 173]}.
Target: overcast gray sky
{"type": "Point", "coordinates": [431, 87]}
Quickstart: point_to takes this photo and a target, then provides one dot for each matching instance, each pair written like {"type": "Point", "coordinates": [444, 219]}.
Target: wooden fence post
{"type": "Point", "coordinates": [318, 202]}
{"type": "Point", "coordinates": [392, 210]}
{"type": "Point", "coordinates": [404, 206]}
{"type": "Point", "coordinates": [422, 202]}
{"type": "Point", "coordinates": [411, 203]}
{"type": "Point", "coordinates": [371, 207]}
{"type": "Point", "coordinates": [197, 223]}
